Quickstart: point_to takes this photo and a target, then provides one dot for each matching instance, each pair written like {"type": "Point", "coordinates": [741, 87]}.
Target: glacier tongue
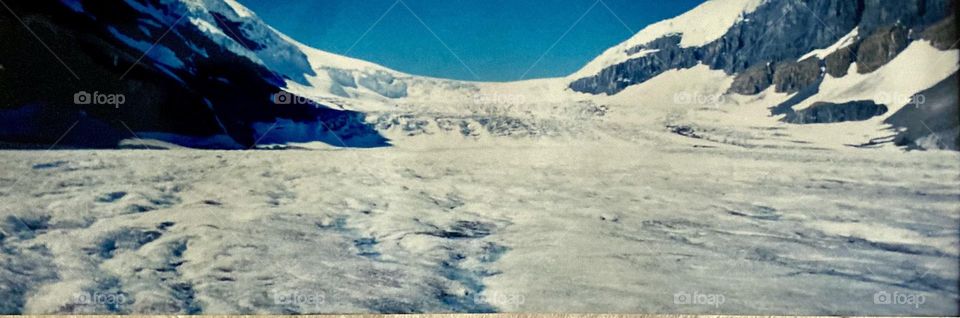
{"type": "Point", "coordinates": [584, 226]}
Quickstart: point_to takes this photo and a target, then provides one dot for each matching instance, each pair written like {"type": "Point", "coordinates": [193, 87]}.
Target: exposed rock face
{"type": "Point", "coordinates": [614, 79]}
{"type": "Point", "coordinates": [791, 77]}
{"type": "Point", "coordinates": [881, 47]}
{"type": "Point", "coordinates": [787, 77]}
{"type": "Point", "coordinates": [879, 14]}
{"type": "Point", "coordinates": [942, 35]}
{"type": "Point", "coordinates": [823, 113]}
{"type": "Point", "coordinates": [200, 90]}
{"type": "Point", "coordinates": [838, 63]}
{"type": "Point", "coordinates": [753, 80]}
{"type": "Point", "coordinates": [782, 31]}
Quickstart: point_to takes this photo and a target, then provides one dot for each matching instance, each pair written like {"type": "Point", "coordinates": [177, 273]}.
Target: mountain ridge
{"type": "Point", "coordinates": [219, 50]}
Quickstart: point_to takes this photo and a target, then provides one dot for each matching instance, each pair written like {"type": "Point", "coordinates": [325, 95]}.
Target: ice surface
{"type": "Point", "coordinates": [520, 197]}
{"type": "Point", "coordinates": [606, 224]}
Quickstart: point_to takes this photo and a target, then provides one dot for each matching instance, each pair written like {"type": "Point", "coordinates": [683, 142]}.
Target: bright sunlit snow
{"type": "Point", "coordinates": [671, 196]}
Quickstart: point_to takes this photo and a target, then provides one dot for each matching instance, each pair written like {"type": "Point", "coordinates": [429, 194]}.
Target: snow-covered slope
{"type": "Point", "coordinates": [332, 78]}
{"type": "Point", "coordinates": [688, 65]}
{"type": "Point", "coordinates": [697, 100]}
{"type": "Point", "coordinates": [407, 105]}
{"type": "Point", "coordinates": [315, 73]}
{"type": "Point", "coordinates": [917, 68]}
{"type": "Point", "coordinates": [845, 41]}
{"type": "Point", "coordinates": [699, 26]}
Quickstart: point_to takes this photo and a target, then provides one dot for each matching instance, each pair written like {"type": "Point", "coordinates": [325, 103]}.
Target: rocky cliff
{"type": "Point", "coordinates": [174, 80]}
{"type": "Point", "coordinates": [764, 46]}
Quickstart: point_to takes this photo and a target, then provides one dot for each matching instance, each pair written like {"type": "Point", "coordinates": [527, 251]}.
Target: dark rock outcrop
{"type": "Point", "coordinates": [881, 47]}
{"type": "Point", "coordinates": [186, 87]}
{"type": "Point", "coordinates": [753, 80]}
{"type": "Point", "coordinates": [785, 30]}
{"type": "Point", "coordinates": [614, 79]}
{"type": "Point", "coordinates": [776, 31]}
{"type": "Point", "coordinates": [838, 63]}
{"type": "Point", "coordinates": [824, 113]}
{"type": "Point", "coordinates": [942, 35]}
{"type": "Point", "coordinates": [787, 77]}
{"type": "Point", "coordinates": [782, 30]}
{"type": "Point", "coordinates": [791, 77]}
{"type": "Point", "coordinates": [914, 14]}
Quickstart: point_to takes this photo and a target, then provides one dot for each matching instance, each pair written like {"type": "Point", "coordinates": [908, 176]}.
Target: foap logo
{"type": "Point", "coordinates": [900, 98]}
{"type": "Point", "coordinates": [698, 298]}
{"type": "Point", "coordinates": [900, 299]}
{"type": "Point", "coordinates": [299, 298]}
{"type": "Point", "coordinates": [698, 98]}
{"type": "Point", "coordinates": [500, 299]}
{"type": "Point", "coordinates": [97, 298]}
{"type": "Point", "coordinates": [286, 98]}
{"type": "Point", "coordinates": [97, 98]}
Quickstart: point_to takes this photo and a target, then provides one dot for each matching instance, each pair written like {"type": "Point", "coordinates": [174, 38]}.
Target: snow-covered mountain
{"type": "Point", "coordinates": [698, 27]}
{"type": "Point", "coordinates": [194, 73]}
{"type": "Point", "coordinates": [714, 155]}
{"type": "Point", "coordinates": [791, 64]}
{"type": "Point", "coordinates": [836, 61]}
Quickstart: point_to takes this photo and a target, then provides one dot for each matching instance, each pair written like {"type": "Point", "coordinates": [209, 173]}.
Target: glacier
{"type": "Point", "coordinates": [374, 191]}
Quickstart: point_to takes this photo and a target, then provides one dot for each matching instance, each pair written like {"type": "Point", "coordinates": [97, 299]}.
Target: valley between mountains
{"type": "Point", "coordinates": [748, 157]}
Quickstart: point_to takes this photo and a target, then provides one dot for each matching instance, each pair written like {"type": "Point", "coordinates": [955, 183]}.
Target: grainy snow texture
{"type": "Point", "coordinates": [673, 195]}
{"type": "Point", "coordinates": [602, 225]}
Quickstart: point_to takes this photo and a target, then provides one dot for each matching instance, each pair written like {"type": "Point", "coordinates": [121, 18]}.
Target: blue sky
{"type": "Point", "coordinates": [496, 40]}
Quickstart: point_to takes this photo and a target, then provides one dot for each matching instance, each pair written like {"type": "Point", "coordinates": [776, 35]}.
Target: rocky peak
{"type": "Point", "coordinates": [778, 33]}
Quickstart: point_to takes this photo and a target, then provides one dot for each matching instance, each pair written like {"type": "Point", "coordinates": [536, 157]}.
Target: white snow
{"type": "Point", "coordinates": [311, 77]}
{"type": "Point", "coordinates": [519, 197]}
{"type": "Point", "coordinates": [239, 9]}
{"type": "Point", "coordinates": [843, 42]}
{"type": "Point", "coordinates": [697, 97]}
{"type": "Point", "coordinates": [528, 226]}
{"type": "Point", "coordinates": [207, 27]}
{"type": "Point", "coordinates": [918, 67]}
